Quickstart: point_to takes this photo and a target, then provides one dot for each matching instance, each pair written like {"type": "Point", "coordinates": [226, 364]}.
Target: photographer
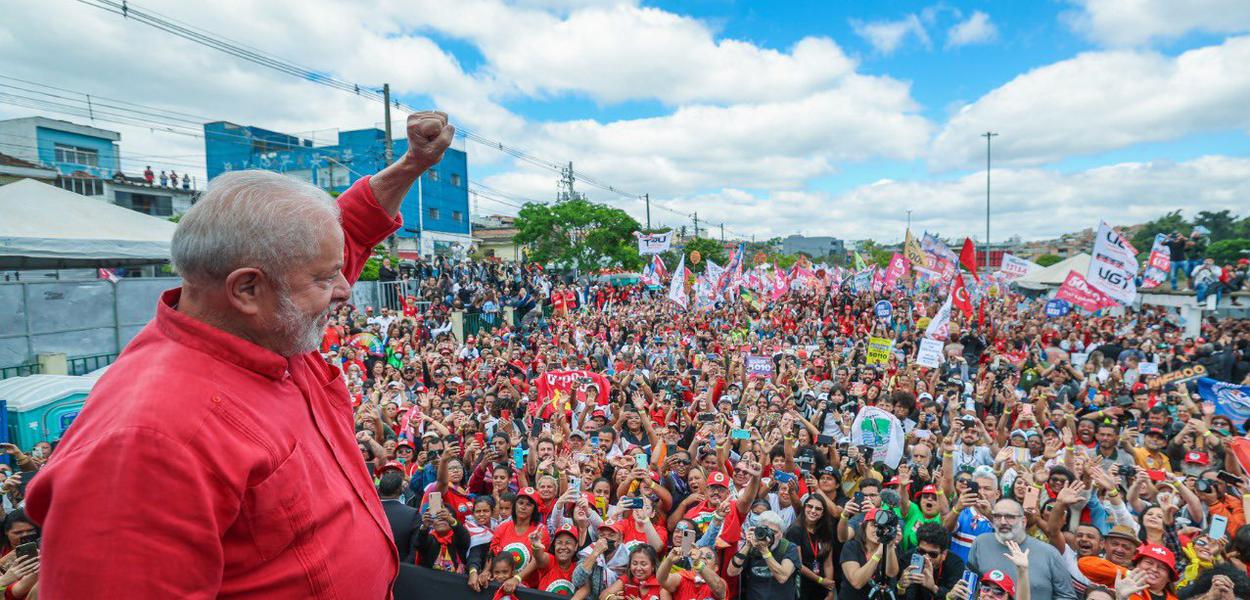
{"type": "Point", "coordinates": [876, 542]}
{"type": "Point", "coordinates": [941, 570]}
{"type": "Point", "coordinates": [767, 562]}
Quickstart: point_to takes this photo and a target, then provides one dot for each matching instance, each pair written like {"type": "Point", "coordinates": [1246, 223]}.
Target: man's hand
{"type": "Point", "coordinates": [429, 135]}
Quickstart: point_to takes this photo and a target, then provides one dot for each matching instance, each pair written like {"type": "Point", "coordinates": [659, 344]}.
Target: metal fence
{"type": "Point", "coordinates": [475, 323]}
{"type": "Point", "coordinates": [384, 294]}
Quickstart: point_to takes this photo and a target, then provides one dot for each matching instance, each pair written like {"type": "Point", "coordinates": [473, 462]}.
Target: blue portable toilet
{"type": "Point", "coordinates": [41, 407]}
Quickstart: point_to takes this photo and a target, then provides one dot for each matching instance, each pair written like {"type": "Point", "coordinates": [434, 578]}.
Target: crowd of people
{"type": "Point", "coordinates": [1204, 275]}
{"type": "Point", "coordinates": [615, 446]}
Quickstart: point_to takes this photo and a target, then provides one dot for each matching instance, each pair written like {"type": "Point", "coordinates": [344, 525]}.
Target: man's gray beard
{"type": "Point", "coordinates": [1016, 535]}
{"type": "Point", "coordinates": [297, 333]}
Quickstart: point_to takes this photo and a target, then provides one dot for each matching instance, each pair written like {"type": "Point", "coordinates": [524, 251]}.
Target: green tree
{"type": "Point", "coordinates": [1047, 260]}
{"type": "Point", "coordinates": [875, 254]}
{"type": "Point", "coordinates": [1222, 224]}
{"type": "Point", "coordinates": [1173, 221]}
{"type": "Point", "coordinates": [579, 234]}
{"type": "Point", "coordinates": [1227, 251]}
{"type": "Point", "coordinates": [709, 249]}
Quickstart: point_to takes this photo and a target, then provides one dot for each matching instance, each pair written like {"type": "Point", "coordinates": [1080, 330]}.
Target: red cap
{"type": "Point", "coordinates": [388, 466]}
{"type": "Point", "coordinates": [1198, 458]}
{"type": "Point", "coordinates": [403, 443]}
{"type": "Point", "coordinates": [718, 478]}
{"type": "Point", "coordinates": [569, 528]}
{"type": "Point", "coordinates": [1159, 553]}
{"type": "Point", "coordinates": [871, 515]}
{"type": "Point", "coordinates": [531, 493]}
{"type": "Point", "coordinates": [1001, 580]}
{"type": "Point", "coordinates": [928, 489]}
{"type": "Point", "coordinates": [614, 524]}
{"type": "Point", "coordinates": [598, 413]}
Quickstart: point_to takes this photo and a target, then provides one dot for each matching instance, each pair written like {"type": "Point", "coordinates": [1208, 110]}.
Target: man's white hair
{"type": "Point", "coordinates": [770, 517]}
{"type": "Point", "coordinates": [250, 218]}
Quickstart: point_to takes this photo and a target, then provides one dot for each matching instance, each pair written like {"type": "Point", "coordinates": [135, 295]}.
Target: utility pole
{"type": "Point", "coordinates": [386, 101]}
{"type": "Point", "coordinates": [722, 233]}
{"type": "Point", "coordinates": [696, 224]}
{"type": "Point", "coordinates": [909, 219]}
{"type": "Point", "coordinates": [989, 135]}
{"type": "Point", "coordinates": [647, 198]}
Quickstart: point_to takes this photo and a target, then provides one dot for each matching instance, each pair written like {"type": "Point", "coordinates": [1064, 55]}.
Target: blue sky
{"type": "Point", "coordinates": [814, 117]}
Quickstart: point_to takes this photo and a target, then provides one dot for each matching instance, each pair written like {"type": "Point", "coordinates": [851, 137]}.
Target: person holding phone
{"type": "Point", "coordinates": [442, 541]}
{"type": "Point", "coordinates": [932, 570]}
{"type": "Point", "coordinates": [513, 537]}
{"type": "Point", "coordinates": [698, 582]}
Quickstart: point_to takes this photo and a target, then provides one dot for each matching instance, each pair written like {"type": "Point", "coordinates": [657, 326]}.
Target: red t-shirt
{"type": "Point", "coordinates": [557, 580]}
{"type": "Point", "coordinates": [517, 543]}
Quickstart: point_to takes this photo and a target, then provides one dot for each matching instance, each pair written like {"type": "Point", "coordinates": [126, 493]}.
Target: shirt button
{"type": "Point", "coordinates": [216, 399]}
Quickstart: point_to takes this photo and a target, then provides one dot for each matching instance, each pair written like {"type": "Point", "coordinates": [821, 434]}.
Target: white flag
{"type": "Point", "coordinates": [654, 243]}
{"type": "Point", "coordinates": [1113, 266]}
{"type": "Point", "coordinates": [1015, 267]}
{"type": "Point", "coordinates": [881, 430]}
{"type": "Point", "coordinates": [939, 326]}
{"type": "Point", "coordinates": [677, 287]}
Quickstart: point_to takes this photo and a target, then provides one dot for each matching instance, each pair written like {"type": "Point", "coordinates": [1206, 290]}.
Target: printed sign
{"type": "Point", "coordinates": [1113, 265]}
{"type": "Point", "coordinates": [1078, 291]}
{"type": "Point", "coordinates": [1015, 267]}
{"type": "Point", "coordinates": [879, 350]}
{"type": "Point", "coordinates": [884, 310]}
{"type": "Point", "coordinates": [759, 366]}
{"type": "Point", "coordinates": [1148, 368]}
{"type": "Point", "coordinates": [1057, 307]}
{"type": "Point", "coordinates": [930, 353]}
{"type": "Point", "coordinates": [654, 243]}
{"type": "Point", "coordinates": [1189, 373]}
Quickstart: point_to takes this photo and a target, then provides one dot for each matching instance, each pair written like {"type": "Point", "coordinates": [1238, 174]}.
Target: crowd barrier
{"type": "Point", "coordinates": [420, 583]}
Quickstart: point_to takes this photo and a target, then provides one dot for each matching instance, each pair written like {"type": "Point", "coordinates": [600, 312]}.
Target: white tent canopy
{"type": "Point", "coordinates": [1053, 276]}
{"type": "Point", "coordinates": [46, 227]}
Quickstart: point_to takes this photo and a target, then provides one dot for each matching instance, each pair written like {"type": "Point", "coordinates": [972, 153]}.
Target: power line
{"type": "Point", "coordinates": [215, 41]}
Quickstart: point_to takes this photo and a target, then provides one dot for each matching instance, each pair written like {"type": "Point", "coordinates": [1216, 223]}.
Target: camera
{"type": "Point", "coordinates": [887, 526]}
{"type": "Point", "coordinates": [763, 532]}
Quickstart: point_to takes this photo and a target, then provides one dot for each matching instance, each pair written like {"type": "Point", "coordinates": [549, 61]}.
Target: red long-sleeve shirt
{"type": "Point", "coordinates": [205, 466]}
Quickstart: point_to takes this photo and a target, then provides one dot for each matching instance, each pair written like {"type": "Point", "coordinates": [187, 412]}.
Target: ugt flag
{"type": "Point", "coordinates": [1113, 265]}
{"type": "Point", "coordinates": [1231, 400]}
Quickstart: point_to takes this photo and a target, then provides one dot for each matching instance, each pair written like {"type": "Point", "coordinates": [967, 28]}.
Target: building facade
{"type": "Point", "coordinates": [87, 160]}
{"type": "Point", "coordinates": [435, 212]}
{"type": "Point", "coordinates": [816, 246]}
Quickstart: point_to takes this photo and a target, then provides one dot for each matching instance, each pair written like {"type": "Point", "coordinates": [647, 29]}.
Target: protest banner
{"type": "Point", "coordinates": [558, 390]}
{"type": "Point", "coordinates": [880, 430]}
{"type": "Point", "coordinates": [1015, 267]}
{"type": "Point", "coordinates": [1231, 400]}
{"type": "Point", "coordinates": [897, 268]}
{"type": "Point", "coordinates": [1186, 374]}
{"type": "Point", "coordinates": [879, 350]}
{"type": "Point", "coordinates": [1078, 291]}
{"type": "Point", "coordinates": [1057, 307]}
{"type": "Point", "coordinates": [1159, 264]}
{"type": "Point", "coordinates": [759, 366]}
{"type": "Point", "coordinates": [1113, 265]}
{"type": "Point", "coordinates": [654, 243]}
{"type": "Point", "coordinates": [930, 353]}
{"type": "Point", "coordinates": [884, 310]}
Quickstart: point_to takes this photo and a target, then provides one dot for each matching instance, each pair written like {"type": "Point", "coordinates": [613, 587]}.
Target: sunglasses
{"type": "Point", "coordinates": [933, 554]}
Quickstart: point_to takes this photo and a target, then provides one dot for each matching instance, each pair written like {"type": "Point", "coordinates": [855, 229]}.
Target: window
{"type": "Point", "coordinates": [455, 179]}
{"type": "Point", "coordinates": [433, 173]}
{"type": "Point", "coordinates": [77, 156]}
{"type": "Point", "coordinates": [455, 216]}
{"type": "Point", "coordinates": [433, 214]}
{"type": "Point", "coordinates": [81, 185]}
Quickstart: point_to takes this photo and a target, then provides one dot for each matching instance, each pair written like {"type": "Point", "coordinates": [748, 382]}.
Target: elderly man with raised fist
{"type": "Point", "coordinates": [217, 456]}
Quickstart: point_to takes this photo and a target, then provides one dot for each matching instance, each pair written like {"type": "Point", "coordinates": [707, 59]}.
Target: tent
{"type": "Point", "coordinates": [1053, 276]}
{"type": "Point", "coordinates": [46, 227]}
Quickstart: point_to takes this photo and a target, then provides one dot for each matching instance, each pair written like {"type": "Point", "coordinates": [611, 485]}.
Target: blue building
{"type": "Point", "coordinates": [435, 212]}
{"type": "Point", "coordinates": [87, 160]}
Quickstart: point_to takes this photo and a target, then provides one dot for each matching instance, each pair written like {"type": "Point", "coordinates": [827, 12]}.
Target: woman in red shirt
{"type": "Point", "coordinates": [513, 536]}
{"type": "Point", "coordinates": [555, 569]}
{"type": "Point", "coordinates": [640, 582]}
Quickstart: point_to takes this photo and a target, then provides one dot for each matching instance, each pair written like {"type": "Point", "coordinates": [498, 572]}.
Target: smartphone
{"type": "Point", "coordinates": [27, 549]}
{"type": "Point", "coordinates": [671, 449]}
{"type": "Point", "coordinates": [858, 498]}
{"type": "Point", "coordinates": [435, 502]}
{"type": "Point", "coordinates": [537, 428]}
{"type": "Point", "coordinates": [739, 434]}
{"type": "Point", "coordinates": [687, 540]}
{"type": "Point", "coordinates": [970, 577]}
{"type": "Point", "coordinates": [824, 440]}
{"type": "Point", "coordinates": [1031, 495]}
{"type": "Point", "coordinates": [575, 484]}
{"type": "Point", "coordinates": [975, 487]}
{"type": "Point", "coordinates": [1219, 526]}
{"type": "Point", "coordinates": [1229, 478]}
{"type": "Point", "coordinates": [634, 502]}
{"type": "Point", "coordinates": [917, 562]}
{"type": "Point", "coordinates": [866, 453]}
{"type": "Point", "coordinates": [970, 404]}
{"type": "Point", "coordinates": [480, 438]}
{"type": "Point", "coordinates": [518, 458]}
{"type": "Point", "coordinates": [783, 477]}
{"type": "Point", "coordinates": [594, 441]}
{"type": "Point", "coordinates": [641, 461]}
{"type": "Point", "coordinates": [707, 418]}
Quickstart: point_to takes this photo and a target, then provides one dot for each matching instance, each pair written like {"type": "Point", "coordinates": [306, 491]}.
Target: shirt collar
{"type": "Point", "coordinates": [198, 335]}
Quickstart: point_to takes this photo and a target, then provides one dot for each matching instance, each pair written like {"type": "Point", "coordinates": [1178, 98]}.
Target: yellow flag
{"type": "Point", "coordinates": [911, 249]}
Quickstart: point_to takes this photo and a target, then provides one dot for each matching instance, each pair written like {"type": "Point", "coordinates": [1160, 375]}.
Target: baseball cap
{"type": "Point", "coordinates": [1152, 430]}
{"type": "Point", "coordinates": [392, 465]}
{"type": "Point", "coordinates": [928, 489]}
{"type": "Point", "coordinates": [567, 527]}
{"type": "Point", "coordinates": [1159, 553]}
{"type": "Point", "coordinates": [531, 493]}
{"type": "Point", "coordinates": [718, 478]}
{"type": "Point", "coordinates": [1002, 580]}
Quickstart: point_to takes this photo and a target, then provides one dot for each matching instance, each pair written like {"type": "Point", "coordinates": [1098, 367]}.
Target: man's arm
{"type": "Point", "coordinates": [429, 135]}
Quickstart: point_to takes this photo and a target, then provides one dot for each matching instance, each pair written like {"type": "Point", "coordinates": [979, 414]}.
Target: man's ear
{"type": "Point", "coordinates": [246, 289]}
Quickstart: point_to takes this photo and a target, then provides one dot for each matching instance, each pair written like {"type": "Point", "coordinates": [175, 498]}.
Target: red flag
{"type": "Point", "coordinates": [981, 313]}
{"type": "Point", "coordinates": [960, 297]}
{"type": "Point", "coordinates": [968, 258]}
{"type": "Point", "coordinates": [1241, 451]}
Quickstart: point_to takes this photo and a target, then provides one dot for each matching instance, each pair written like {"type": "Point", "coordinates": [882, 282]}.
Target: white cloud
{"type": "Point", "coordinates": [888, 36]}
{"type": "Point", "coordinates": [1034, 203]}
{"type": "Point", "coordinates": [1100, 101]}
{"type": "Point", "coordinates": [1135, 22]}
{"type": "Point", "coordinates": [976, 29]}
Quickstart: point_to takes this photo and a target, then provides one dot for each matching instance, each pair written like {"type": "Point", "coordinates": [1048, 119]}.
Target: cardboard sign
{"type": "Point", "coordinates": [930, 353]}
{"type": "Point", "coordinates": [759, 366]}
{"type": "Point", "coordinates": [879, 350]}
{"type": "Point", "coordinates": [1148, 368]}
